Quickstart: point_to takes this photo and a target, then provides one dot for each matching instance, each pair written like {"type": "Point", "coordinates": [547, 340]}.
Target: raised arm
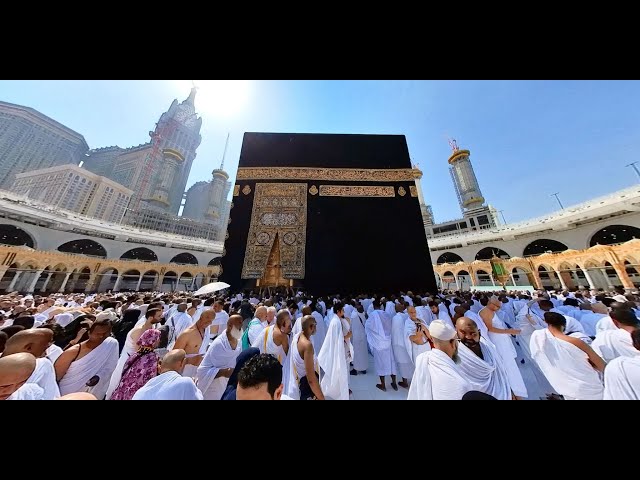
{"type": "Point", "coordinates": [488, 321]}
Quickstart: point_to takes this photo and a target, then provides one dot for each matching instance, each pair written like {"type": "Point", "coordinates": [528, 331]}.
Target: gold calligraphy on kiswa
{"type": "Point", "coordinates": [356, 191]}
{"type": "Point", "coordinates": [330, 174]}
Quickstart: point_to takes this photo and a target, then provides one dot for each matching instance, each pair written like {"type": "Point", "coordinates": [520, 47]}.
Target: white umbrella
{"type": "Point", "coordinates": [211, 288]}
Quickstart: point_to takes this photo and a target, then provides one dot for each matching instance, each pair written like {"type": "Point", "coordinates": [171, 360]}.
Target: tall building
{"type": "Point", "coordinates": [70, 187]}
{"type": "Point", "coordinates": [207, 201]}
{"type": "Point", "coordinates": [476, 215]}
{"type": "Point", "coordinates": [196, 201]}
{"type": "Point", "coordinates": [156, 171]}
{"type": "Point", "coordinates": [30, 140]}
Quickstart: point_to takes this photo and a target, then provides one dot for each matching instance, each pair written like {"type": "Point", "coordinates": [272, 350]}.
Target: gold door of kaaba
{"type": "Point", "coordinates": [273, 273]}
{"type": "Point", "coordinates": [275, 250]}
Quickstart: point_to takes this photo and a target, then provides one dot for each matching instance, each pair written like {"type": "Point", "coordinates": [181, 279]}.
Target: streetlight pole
{"type": "Point", "coordinates": [502, 214]}
{"type": "Point", "coordinates": [633, 165]}
{"type": "Point", "coordinates": [558, 199]}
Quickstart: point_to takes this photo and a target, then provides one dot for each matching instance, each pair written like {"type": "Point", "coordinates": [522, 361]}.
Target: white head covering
{"type": "Point", "coordinates": [107, 315]}
{"type": "Point", "coordinates": [620, 298]}
{"type": "Point", "coordinates": [63, 319]}
{"type": "Point", "coordinates": [441, 330]}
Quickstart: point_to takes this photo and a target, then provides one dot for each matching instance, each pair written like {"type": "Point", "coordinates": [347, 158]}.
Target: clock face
{"type": "Point", "coordinates": [186, 116]}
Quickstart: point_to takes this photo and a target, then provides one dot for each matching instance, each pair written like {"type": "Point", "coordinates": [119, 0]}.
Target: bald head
{"type": "Point", "coordinates": [271, 314]}
{"type": "Point", "coordinates": [174, 360]}
{"type": "Point", "coordinates": [78, 396]}
{"type": "Point", "coordinates": [468, 333]}
{"type": "Point", "coordinates": [14, 372]}
{"type": "Point", "coordinates": [599, 307]}
{"type": "Point", "coordinates": [309, 325]}
{"type": "Point", "coordinates": [306, 310]}
{"type": "Point", "coordinates": [234, 321]}
{"type": "Point", "coordinates": [261, 313]}
{"type": "Point", "coordinates": [207, 317]}
{"type": "Point", "coordinates": [35, 342]}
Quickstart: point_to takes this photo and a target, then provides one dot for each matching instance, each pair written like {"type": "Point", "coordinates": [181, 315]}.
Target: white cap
{"type": "Point", "coordinates": [620, 298]}
{"type": "Point", "coordinates": [107, 315]}
{"type": "Point", "coordinates": [441, 330]}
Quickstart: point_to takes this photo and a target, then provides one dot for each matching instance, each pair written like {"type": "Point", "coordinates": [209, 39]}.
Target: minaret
{"type": "Point", "coordinates": [217, 192]}
{"type": "Point", "coordinates": [464, 179]}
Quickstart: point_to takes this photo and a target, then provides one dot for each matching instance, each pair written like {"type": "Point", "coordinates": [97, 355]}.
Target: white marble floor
{"type": "Point", "coordinates": [364, 386]}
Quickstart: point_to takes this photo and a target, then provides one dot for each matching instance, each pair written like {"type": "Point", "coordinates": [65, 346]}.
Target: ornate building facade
{"type": "Point", "coordinates": [29, 271]}
{"type": "Point", "coordinates": [157, 171]}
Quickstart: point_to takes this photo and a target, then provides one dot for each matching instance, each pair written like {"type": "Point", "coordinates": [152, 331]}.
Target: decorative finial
{"type": "Point", "coordinates": [453, 144]}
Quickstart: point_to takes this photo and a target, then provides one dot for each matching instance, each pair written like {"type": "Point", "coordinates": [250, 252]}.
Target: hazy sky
{"type": "Point", "coordinates": [528, 139]}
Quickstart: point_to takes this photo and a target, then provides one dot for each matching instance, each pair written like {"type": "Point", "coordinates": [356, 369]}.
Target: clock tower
{"type": "Point", "coordinates": [177, 132]}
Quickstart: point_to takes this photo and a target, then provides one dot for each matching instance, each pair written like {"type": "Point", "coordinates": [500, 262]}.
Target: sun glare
{"type": "Point", "coordinates": [222, 98]}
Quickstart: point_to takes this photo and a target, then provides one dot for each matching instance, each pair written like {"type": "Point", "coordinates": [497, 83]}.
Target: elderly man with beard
{"type": "Point", "coordinates": [480, 362]}
{"type": "Point", "coordinates": [437, 376]}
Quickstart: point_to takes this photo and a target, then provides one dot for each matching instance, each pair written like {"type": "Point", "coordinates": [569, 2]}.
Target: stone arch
{"type": "Point", "coordinates": [16, 236]}
{"type": "Point", "coordinates": [543, 245]}
{"type": "Point", "coordinates": [84, 246]}
{"type": "Point", "coordinates": [129, 280]}
{"type": "Point", "coordinates": [547, 276]}
{"type": "Point", "coordinates": [81, 278]}
{"type": "Point", "coordinates": [449, 257]}
{"type": "Point", "coordinates": [614, 235]}
{"type": "Point", "coordinates": [184, 258]}
{"type": "Point", "coordinates": [108, 277]}
{"type": "Point", "coordinates": [199, 281]}
{"type": "Point", "coordinates": [141, 254]}
{"type": "Point", "coordinates": [56, 275]}
{"type": "Point", "coordinates": [149, 279]}
{"type": "Point", "coordinates": [464, 279]}
{"type": "Point", "coordinates": [484, 278]}
{"type": "Point", "coordinates": [185, 281]}
{"type": "Point", "coordinates": [488, 252]}
{"type": "Point", "coordinates": [215, 262]}
{"type": "Point", "coordinates": [632, 272]}
{"type": "Point", "coordinates": [169, 281]}
{"type": "Point", "coordinates": [448, 280]}
{"type": "Point", "coordinates": [521, 276]}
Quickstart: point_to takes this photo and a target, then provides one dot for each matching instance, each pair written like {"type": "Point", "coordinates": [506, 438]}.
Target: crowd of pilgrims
{"type": "Point", "coordinates": [579, 345]}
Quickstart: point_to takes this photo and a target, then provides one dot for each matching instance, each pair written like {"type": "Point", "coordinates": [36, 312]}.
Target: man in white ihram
{"type": "Point", "coordinates": [178, 323]}
{"type": "Point", "coordinates": [570, 365]}
{"type": "Point", "coordinates": [333, 358]}
{"type": "Point", "coordinates": [220, 360]}
{"type": "Point", "coordinates": [170, 384]}
{"type": "Point", "coordinates": [437, 376]}
{"type": "Point", "coordinates": [622, 375]}
{"type": "Point", "coordinates": [500, 336]}
{"type": "Point", "coordinates": [359, 340]}
{"type": "Point", "coordinates": [401, 354]}
{"type": "Point", "coordinates": [610, 344]}
{"type": "Point", "coordinates": [480, 362]}
{"type": "Point", "coordinates": [378, 330]}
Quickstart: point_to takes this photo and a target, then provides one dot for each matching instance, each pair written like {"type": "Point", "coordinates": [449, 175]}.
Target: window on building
{"type": "Point", "coordinates": [483, 220]}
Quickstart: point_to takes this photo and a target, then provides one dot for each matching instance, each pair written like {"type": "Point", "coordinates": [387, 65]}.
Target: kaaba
{"type": "Point", "coordinates": [327, 214]}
